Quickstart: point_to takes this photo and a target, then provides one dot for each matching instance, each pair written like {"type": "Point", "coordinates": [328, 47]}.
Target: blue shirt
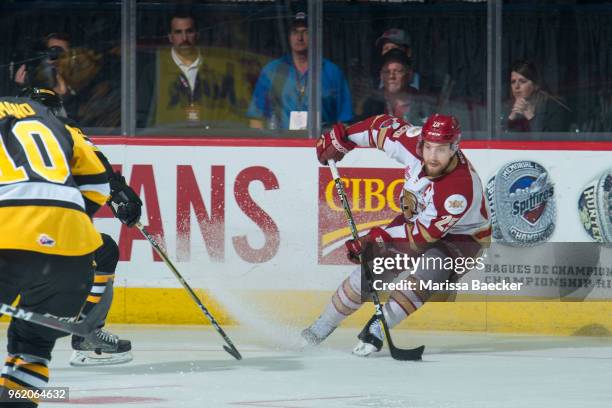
{"type": "Point", "coordinates": [281, 88]}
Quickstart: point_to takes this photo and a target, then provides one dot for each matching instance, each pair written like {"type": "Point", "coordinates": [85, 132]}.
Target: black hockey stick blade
{"type": "Point", "coordinates": [83, 328]}
{"type": "Point", "coordinates": [233, 352]}
{"type": "Point", "coordinates": [415, 354]}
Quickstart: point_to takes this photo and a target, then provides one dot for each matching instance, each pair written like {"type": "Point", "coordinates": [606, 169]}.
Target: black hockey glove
{"type": "Point", "coordinates": [124, 202]}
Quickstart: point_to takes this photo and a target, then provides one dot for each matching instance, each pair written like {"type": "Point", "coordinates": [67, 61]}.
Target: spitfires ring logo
{"type": "Point", "coordinates": [521, 199]}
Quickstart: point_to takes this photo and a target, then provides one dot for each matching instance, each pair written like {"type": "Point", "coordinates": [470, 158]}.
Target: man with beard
{"type": "Point", "coordinates": [444, 216]}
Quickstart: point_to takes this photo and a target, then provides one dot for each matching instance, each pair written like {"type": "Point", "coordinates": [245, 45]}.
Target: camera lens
{"type": "Point", "coordinates": [55, 52]}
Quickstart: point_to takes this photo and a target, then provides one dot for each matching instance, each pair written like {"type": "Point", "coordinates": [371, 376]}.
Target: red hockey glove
{"type": "Point", "coordinates": [378, 237]}
{"type": "Point", "coordinates": [334, 144]}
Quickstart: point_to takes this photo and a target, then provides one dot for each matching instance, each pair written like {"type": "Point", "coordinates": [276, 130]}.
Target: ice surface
{"type": "Point", "coordinates": [184, 366]}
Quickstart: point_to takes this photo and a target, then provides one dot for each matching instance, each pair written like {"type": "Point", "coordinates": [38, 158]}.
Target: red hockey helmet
{"type": "Point", "coordinates": [441, 129]}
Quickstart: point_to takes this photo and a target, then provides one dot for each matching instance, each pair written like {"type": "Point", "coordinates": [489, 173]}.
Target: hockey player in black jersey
{"type": "Point", "coordinates": [51, 181]}
{"type": "Point", "coordinates": [105, 348]}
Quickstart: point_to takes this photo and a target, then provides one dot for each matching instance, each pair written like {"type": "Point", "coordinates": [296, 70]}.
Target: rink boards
{"type": "Point", "coordinates": [254, 223]}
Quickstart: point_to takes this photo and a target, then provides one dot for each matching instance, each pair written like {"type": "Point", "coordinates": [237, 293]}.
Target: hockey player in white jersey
{"type": "Point", "coordinates": [444, 214]}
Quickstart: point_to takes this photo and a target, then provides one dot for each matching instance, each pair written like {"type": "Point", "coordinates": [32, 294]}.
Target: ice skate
{"type": "Point", "coordinates": [103, 348]}
{"type": "Point", "coordinates": [370, 338]}
{"type": "Point", "coordinates": [315, 334]}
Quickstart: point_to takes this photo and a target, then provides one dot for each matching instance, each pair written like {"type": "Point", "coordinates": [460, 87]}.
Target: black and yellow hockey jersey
{"type": "Point", "coordinates": [47, 171]}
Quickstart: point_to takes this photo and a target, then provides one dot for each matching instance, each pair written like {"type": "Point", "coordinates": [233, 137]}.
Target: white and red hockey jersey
{"type": "Point", "coordinates": [450, 205]}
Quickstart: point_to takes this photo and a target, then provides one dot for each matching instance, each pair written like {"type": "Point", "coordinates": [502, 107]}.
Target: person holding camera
{"type": "Point", "coordinates": [86, 80]}
{"type": "Point", "coordinates": [58, 47]}
{"type": "Point", "coordinates": [49, 71]}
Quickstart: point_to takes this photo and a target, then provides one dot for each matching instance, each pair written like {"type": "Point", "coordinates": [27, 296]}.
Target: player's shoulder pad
{"type": "Point", "coordinates": [391, 125]}
{"type": "Point", "coordinates": [74, 130]}
{"type": "Point", "coordinates": [455, 190]}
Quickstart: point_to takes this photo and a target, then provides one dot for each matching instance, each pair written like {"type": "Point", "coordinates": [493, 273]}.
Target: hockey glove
{"type": "Point", "coordinates": [377, 237]}
{"type": "Point", "coordinates": [334, 144]}
{"type": "Point", "coordinates": [124, 202]}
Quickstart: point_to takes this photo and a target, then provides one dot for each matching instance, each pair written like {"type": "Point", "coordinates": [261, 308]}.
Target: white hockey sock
{"type": "Point", "coordinates": [403, 303]}
{"type": "Point", "coordinates": [345, 301]}
{"type": "Point", "coordinates": [327, 322]}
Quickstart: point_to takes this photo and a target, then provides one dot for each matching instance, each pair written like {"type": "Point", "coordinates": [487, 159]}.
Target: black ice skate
{"type": "Point", "coordinates": [103, 348]}
{"type": "Point", "coordinates": [370, 338]}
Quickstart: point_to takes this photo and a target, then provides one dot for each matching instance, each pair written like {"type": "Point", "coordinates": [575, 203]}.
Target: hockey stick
{"type": "Point", "coordinates": [414, 354]}
{"type": "Point", "coordinates": [230, 348]}
{"type": "Point", "coordinates": [83, 328]}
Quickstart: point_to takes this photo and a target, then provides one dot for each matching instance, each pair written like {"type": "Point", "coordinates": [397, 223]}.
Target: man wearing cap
{"type": "Point", "coordinates": [280, 99]}
{"type": "Point", "coordinates": [396, 38]}
{"type": "Point", "coordinates": [397, 97]}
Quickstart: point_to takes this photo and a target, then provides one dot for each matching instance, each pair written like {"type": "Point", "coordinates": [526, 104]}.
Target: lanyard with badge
{"type": "Point", "coordinates": [298, 119]}
{"type": "Point", "coordinates": [192, 110]}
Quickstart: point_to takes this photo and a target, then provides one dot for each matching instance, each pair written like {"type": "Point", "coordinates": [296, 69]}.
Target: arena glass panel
{"type": "Point", "coordinates": [555, 71]}
{"type": "Point", "coordinates": [216, 69]}
{"type": "Point", "coordinates": [444, 67]}
{"type": "Point", "coordinates": [70, 47]}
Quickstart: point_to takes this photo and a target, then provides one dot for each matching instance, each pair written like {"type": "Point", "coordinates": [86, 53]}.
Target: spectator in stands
{"type": "Point", "coordinates": [280, 98]}
{"type": "Point", "coordinates": [99, 97]}
{"type": "Point", "coordinates": [190, 85]}
{"type": "Point", "coordinates": [171, 89]}
{"type": "Point", "coordinates": [397, 97]}
{"type": "Point", "coordinates": [532, 108]}
{"type": "Point", "coordinates": [87, 81]}
{"type": "Point", "coordinates": [395, 38]}
{"type": "Point", "coordinates": [51, 72]}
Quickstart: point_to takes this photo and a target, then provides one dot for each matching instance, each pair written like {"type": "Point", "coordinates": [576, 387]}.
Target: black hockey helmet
{"type": "Point", "coordinates": [47, 97]}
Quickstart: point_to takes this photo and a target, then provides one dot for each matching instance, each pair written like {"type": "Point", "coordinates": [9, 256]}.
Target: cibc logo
{"type": "Point", "coordinates": [521, 199]}
{"type": "Point", "coordinates": [373, 195]}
